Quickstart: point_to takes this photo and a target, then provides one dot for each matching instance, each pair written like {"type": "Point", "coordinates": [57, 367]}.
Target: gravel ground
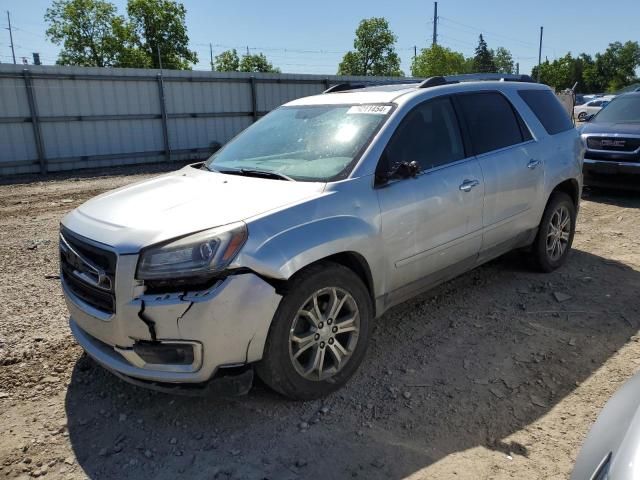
{"type": "Point", "coordinates": [497, 374]}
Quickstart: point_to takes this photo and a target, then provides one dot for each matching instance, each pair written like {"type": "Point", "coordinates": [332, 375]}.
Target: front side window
{"type": "Point", "coordinates": [623, 109]}
{"type": "Point", "coordinates": [491, 121]}
{"type": "Point", "coordinates": [306, 143]}
{"type": "Point", "coordinates": [428, 135]}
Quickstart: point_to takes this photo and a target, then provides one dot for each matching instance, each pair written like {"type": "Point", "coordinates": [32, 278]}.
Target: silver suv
{"type": "Point", "coordinates": [277, 253]}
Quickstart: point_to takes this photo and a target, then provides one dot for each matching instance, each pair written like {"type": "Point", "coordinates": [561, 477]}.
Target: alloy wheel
{"type": "Point", "coordinates": [558, 233]}
{"type": "Point", "coordinates": [324, 334]}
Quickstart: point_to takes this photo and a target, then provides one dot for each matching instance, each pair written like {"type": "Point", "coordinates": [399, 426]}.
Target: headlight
{"type": "Point", "coordinates": [202, 254]}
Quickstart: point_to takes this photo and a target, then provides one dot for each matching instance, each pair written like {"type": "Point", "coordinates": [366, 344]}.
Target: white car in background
{"type": "Point", "coordinates": [581, 112]}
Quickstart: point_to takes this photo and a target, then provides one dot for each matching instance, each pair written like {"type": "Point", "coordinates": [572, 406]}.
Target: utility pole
{"type": "Point", "coordinates": [159, 58]}
{"type": "Point", "coordinates": [517, 68]}
{"type": "Point", "coordinates": [435, 23]}
{"type": "Point", "coordinates": [13, 53]}
{"type": "Point", "coordinates": [211, 55]}
{"type": "Point", "coordinates": [415, 52]}
{"type": "Point", "coordinates": [539, 54]}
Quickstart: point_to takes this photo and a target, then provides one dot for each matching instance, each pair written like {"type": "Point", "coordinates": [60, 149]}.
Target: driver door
{"type": "Point", "coordinates": [431, 222]}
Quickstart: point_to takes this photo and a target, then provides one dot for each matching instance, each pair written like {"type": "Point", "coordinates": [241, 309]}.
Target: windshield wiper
{"type": "Point", "coordinates": [265, 173]}
{"type": "Point", "coordinates": [251, 172]}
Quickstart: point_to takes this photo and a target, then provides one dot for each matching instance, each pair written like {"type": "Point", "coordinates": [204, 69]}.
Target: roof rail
{"type": "Point", "coordinates": [342, 87]}
{"type": "Point", "coordinates": [473, 77]}
{"type": "Point", "coordinates": [433, 82]}
{"type": "Point", "coordinates": [477, 77]}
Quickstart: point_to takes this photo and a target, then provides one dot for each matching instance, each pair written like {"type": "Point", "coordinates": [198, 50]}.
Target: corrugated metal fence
{"type": "Point", "coordinates": [65, 118]}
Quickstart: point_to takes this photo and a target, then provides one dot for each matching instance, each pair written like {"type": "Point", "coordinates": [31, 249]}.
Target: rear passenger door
{"type": "Point", "coordinates": [433, 220]}
{"type": "Point", "coordinates": [513, 172]}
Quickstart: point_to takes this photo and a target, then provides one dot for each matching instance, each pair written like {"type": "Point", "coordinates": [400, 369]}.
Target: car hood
{"type": "Point", "coordinates": [179, 203]}
{"type": "Point", "coordinates": [611, 128]}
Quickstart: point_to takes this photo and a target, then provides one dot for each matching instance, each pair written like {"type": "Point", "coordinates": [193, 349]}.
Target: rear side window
{"type": "Point", "coordinates": [492, 121]}
{"type": "Point", "coordinates": [553, 117]}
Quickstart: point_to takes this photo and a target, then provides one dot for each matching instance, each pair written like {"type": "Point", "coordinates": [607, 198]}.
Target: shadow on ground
{"type": "Point", "coordinates": [466, 365]}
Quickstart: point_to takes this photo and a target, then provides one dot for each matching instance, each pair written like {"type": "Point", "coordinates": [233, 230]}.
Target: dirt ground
{"type": "Point", "coordinates": [497, 374]}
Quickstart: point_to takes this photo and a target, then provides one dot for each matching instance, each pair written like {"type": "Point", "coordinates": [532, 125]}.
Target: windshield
{"type": "Point", "coordinates": [624, 109]}
{"type": "Point", "coordinates": [308, 143]}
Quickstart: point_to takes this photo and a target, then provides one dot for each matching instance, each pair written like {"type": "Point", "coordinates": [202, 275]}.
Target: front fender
{"type": "Point", "coordinates": [283, 254]}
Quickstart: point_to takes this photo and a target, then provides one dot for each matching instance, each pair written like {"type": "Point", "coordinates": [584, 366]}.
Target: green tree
{"type": "Point", "coordinates": [483, 60]}
{"type": "Point", "coordinates": [503, 60]}
{"type": "Point", "coordinates": [257, 63]}
{"type": "Point", "coordinates": [160, 25]}
{"type": "Point", "coordinates": [616, 67]}
{"type": "Point", "coordinates": [90, 32]}
{"type": "Point", "coordinates": [227, 61]}
{"type": "Point", "coordinates": [438, 60]}
{"type": "Point", "coordinates": [374, 51]}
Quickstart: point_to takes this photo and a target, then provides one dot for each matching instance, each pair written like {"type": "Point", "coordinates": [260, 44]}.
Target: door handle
{"type": "Point", "coordinates": [533, 163]}
{"type": "Point", "coordinates": [467, 185]}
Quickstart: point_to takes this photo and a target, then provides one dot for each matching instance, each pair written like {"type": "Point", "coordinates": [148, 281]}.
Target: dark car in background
{"type": "Point", "coordinates": [612, 138]}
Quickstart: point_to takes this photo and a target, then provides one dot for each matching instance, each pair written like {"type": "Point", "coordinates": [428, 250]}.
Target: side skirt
{"type": "Point", "coordinates": [402, 294]}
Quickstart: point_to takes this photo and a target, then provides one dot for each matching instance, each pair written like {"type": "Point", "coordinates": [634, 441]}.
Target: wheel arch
{"type": "Point", "coordinates": [354, 261]}
{"type": "Point", "coordinates": [571, 187]}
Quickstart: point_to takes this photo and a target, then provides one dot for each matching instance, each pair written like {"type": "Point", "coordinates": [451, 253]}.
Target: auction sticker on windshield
{"type": "Point", "coordinates": [374, 109]}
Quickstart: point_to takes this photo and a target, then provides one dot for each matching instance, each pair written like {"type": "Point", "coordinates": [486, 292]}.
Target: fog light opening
{"type": "Point", "coordinates": [161, 353]}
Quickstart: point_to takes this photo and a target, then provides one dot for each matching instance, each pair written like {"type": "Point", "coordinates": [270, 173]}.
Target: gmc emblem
{"type": "Point", "coordinates": [612, 143]}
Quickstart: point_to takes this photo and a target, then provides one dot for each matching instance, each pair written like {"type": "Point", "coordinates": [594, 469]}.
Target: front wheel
{"type": "Point", "coordinates": [582, 116]}
{"type": "Point", "coordinates": [319, 333]}
{"type": "Point", "coordinates": [555, 233]}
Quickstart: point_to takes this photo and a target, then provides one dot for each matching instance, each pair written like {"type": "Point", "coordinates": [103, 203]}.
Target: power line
{"type": "Point", "coordinates": [483, 30]}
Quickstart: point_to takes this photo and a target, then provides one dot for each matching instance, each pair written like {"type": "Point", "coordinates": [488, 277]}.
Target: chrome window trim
{"type": "Point", "coordinates": [503, 149]}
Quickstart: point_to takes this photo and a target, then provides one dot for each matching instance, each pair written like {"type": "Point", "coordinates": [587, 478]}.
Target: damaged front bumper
{"type": "Point", "coordinates": [177, 338]}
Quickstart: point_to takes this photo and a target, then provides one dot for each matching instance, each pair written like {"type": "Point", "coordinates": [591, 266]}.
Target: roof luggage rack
{"type": "Point", "coordinates": [474, 77]}
{"type": "Point", "coordinates": [435, 81]}
{"type": "Point", "coordinates": [342, 87]}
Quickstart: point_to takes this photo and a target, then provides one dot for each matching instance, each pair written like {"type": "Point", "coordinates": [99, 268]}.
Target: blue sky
{"type": "Point", "coordinates": [311, 37]}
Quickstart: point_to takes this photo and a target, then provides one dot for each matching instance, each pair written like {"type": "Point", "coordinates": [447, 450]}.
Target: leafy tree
{"type": "Point", "coordinates": [438, 60]}
{"type": "Point", "coordinates": [90, 32]}
{"type": "Point", "coordinates": [374, 52]}
{"type": "Point", "coordinates": [160, 25]}
{"type": "Point", "coordinates": [607, 71]}
{"type": "Point", "coordinates": [257, 63]}
{"type": "Point", "coordinates": [483, 60]}
{"type": "Point", "coordinates": [503, 60]}
{"type": "Point", "coordinates": [616, 67]}
{"type": "Point", "coordinates": [227, 61]}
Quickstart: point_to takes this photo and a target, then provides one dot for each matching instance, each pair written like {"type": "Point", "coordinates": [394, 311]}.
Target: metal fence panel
{"type": "Point", "coordinates": [63, 118]}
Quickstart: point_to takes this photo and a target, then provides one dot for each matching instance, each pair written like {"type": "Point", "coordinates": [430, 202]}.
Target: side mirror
{"type": "Point", "coordinates": [405, 169]}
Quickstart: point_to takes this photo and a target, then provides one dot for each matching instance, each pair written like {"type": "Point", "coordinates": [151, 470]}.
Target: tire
{"type": "Point", "coordinates": [546, 255]}
{"type": "Point", "coordinates": [582, 116]}
{"type": "Point", "coordinates": [298, 334]}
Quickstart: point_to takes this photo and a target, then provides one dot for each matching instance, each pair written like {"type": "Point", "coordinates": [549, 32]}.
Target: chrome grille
{"type": "Point", "coordinates": [614, 144]}
{"type": "Point", "coordinates": [88, 271]}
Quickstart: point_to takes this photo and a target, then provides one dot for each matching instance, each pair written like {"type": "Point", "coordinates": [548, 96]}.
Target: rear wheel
{"type": "Point", "coordinates": [555, 233]}
{"type": "Point", "coordinates": [319, 334]}
{"type": "Point", "coordinates": [582, 116]}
